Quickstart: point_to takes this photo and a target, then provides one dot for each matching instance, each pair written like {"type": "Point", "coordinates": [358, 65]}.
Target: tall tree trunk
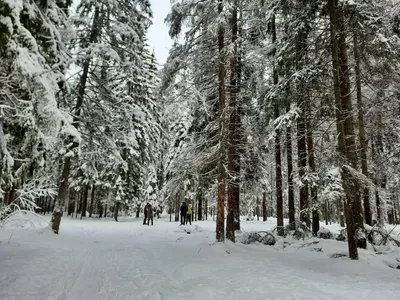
{"type": "Point", "coordinates": [84, 202]}
{"type": "Point", "coordinates": [289, 157]}
{"type": "Point", "coordinates": [91, 201]}
{"type": "Point", "coordinates": [301, 45]}
{"type": "Point", "coordinates": [6, 198]}
{"type": "Point", "coordinates": [116, 210]}
{"type": "Point", "coordinates": [77, 203]}
{"type": "Point", "coordinates": [240, 136]}
{"type": "Point", "coordinates": [264, 206]}
{"type": "Point", "coordinates": [313, 168]}
{"type": "Point", "coordinates": [177, 210]}
{"type": "Point", "coordinates": [220, 230]}
{"type": "Point", "coordinates": [63, 189]}
{"type": "Point", "coordinates": [234, 135]}
{"type": "Point", "coordinates": [344, 120]}
{"type": "Point", "coordinates": [361, 129]}
{"type": "Point", "coordinates": [378, 206]}
{"type": "Point", "coordinates": [200, 206]}
{"type": "Point", "coordinates": [278, 159]}
{"type": "Point", "coordinates": [12, 195]}
{"type": "Point", "coordinates": [71, 205]}
{"type": "Point", "coordinates": [348, 124]}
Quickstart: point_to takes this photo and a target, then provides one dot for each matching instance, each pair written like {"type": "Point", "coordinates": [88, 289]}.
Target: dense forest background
{"type": "Point", "coordinates": [284, 108]}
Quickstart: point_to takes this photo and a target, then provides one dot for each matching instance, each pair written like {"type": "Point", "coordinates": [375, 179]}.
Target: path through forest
{"type": "Point", "coordinates": [94, 259]}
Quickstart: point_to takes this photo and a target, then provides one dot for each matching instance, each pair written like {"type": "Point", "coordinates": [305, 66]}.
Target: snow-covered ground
{"type": "Point", "coordinates": [97, 259]}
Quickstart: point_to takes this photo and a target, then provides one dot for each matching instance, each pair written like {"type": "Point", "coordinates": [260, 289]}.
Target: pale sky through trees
{"type": "Point", "coordinates": [158, 33]}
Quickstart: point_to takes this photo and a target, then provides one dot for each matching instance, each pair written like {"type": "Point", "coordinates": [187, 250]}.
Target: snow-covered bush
{"type": "Point", "coordinates": [253, 237]}
{"type": "Point", "coordinates": [324, 233]}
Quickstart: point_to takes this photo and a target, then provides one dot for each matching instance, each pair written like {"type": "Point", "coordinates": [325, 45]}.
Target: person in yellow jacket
{"type": "Point", "coordinates": [189, 214]}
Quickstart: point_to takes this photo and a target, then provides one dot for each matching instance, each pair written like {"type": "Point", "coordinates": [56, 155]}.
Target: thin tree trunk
{"type": "Point", "coordinates": [99, 207]}
{"type": "Point", "coordinates": [361, 129]}
{"type": "Point", "coordinates": [44, 207]}
{"type": "Point", "coordinates": [91, 201]}
{"type": "Point", "coordinates": [301, 41]}
{"type": "Point", "coordinates": [313, 168]}
{"type": "Point", "coordinates": [84, 202]}
{"type": "Point", "coordinates": [234, 137]}
{"type": "Point", "coordinates": [326, 214]}
{"type": "Point", "coordinates": [200, 207]}
{"type": "Point", "coordinates": [116, 210]}
{"type": "Point", "coordinates": [378, 207]}
{"type": "Point", "coordinates": [292, 211]}
{"type": "Point", "coordinates": [206, 209]}
{"type": "Point", "coordinates": [220, 230]}
{"type": "Point", "coordinates": [12, 195]}
{"type": "Point", "coordinates": [49, 205]}
{"type": "Point", "coordinates": [278, 159]}
{"type": "Point", "coordinates": [240, 136]}
{"type": "Point", "coordinates": [63, 189]}
{"type": "Point", "coordinates": [177, 210]}
{"type": "Point", "coordinates": [264, 206]}
{"type": "Point", "coordinates": [6, 198]}
{"type": "Point", "coordinates": [78, 204]}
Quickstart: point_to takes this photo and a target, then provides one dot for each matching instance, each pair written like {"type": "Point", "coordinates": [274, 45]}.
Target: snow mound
{"type": "Point", "coordinates": [24, 219]}
{"type": "Point", "coordinates": [324, 233]}
{"type": "Point", "coordinates": [262, 237]}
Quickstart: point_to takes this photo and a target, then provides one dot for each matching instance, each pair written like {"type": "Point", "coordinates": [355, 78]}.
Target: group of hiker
{"type": "Point", "coordinates": [186, 214]}
{"type": "Point", "coordinates": [148, 214]}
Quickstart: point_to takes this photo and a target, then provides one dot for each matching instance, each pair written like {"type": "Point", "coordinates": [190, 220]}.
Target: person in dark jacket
{"type": "Point", "coordinates": [145, 212]}
{"type": "Point", "coordinates": [150, 215]}
{"type": "Point", "coordinates": [184, 209]}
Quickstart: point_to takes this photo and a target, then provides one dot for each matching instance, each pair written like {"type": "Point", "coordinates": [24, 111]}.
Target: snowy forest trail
{"type": "Point", "coordinates": [94, 259]}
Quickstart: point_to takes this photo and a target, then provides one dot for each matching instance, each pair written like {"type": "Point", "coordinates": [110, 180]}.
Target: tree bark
{"type": "Point", "coordinates": [234, 136]}
{"type": "Point", "coordinates": [63, 189]}
{"type": "Point", "coordinates": [200, 207]}
{"type": "Point", "coordinates": [6, 198]}
{"type": "Point", "coordinates": [313, 168]}
{"type": "Point", "coordinates": [344, 121]}
{"type": "Point", "coordinates": [378, 207]}
{"type": "Point", "coordinates": [206, 210]}
{"type": "Point", "coordinates": [264, 206]}
{"type": "Point", "coordinates": [301, 43]}
{"type": "Point", "coordinates": [220, 230]}
{"type": "Point", "coordinates": [91, 201]}
{"type": "Point", "coordinates": [116, 210]}
{"type": "Point", "coordinates": [177, 209]}
{"type": "Point", "coordinates": [289, 157]}
{"type": "Point", "coordinates": [62, 194]}
{"type": "Point", "coordinates": [84, 202]}
{"type": "Point", "coordinates": [278, 159]}
{"type": "Point", "coordinates": [361, 129]}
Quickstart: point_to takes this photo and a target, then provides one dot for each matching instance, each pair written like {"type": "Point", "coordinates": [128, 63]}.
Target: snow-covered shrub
{"type": "Point", "coordinates": [301, 232]}
{"type": "Point", "coordinates": [249, 237]}
{"type": "Point", "coordinates": [253, 237]}
{"type": "Point", "coordinates": [324, 233]}
{"type": "Point", "coordinates": [267, 239]}
{"type": "Point", "coordinates": [25, 219]}
{"type": "Point", "coordinates": [380, 236]}
{"type": "Point", "coordinates": [342, 236]}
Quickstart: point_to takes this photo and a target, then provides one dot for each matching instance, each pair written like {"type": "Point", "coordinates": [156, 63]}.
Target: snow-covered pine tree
{"type": "Point", "coordinates": [109, 42]}
{"type": "Point", "coordinates": [34, 60]}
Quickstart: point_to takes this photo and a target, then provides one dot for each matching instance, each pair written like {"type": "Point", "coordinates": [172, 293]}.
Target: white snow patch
{"type": "Point", "coordinates": [103, 259]}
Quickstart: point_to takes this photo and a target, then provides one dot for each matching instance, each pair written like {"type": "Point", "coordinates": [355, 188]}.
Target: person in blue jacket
{"type": "Point", "coordinates": [184, 209]}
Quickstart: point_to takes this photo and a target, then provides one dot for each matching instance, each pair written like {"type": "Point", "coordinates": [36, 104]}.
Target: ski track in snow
{"type": "Point", "coordinates": [103, 260]}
